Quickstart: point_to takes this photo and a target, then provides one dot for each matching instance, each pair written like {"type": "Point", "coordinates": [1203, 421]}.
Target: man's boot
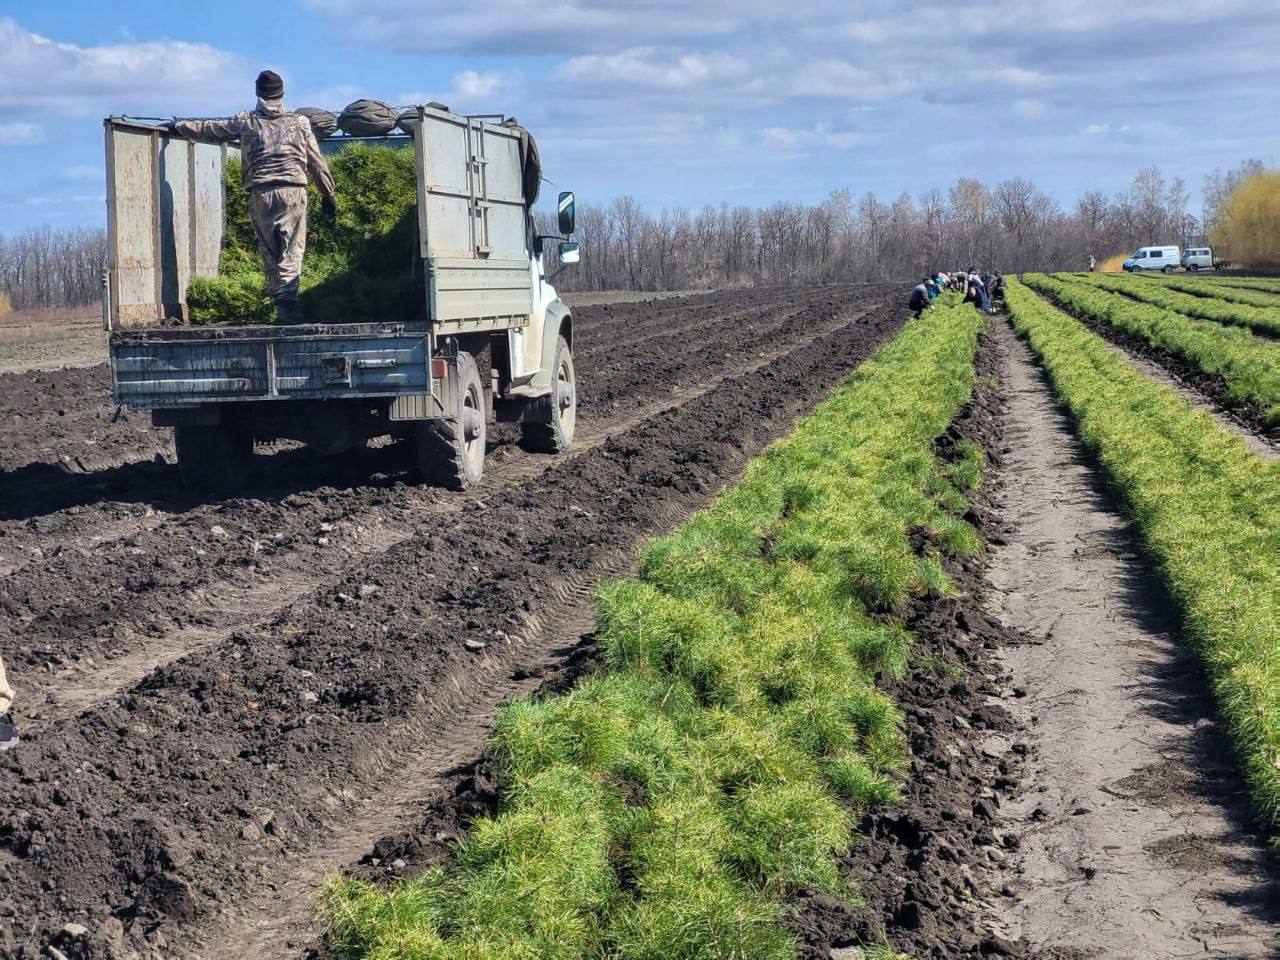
{"type": "Point", "coordinates": [288, 313]}
{"type": "Point", "coordinates": [8, 733]}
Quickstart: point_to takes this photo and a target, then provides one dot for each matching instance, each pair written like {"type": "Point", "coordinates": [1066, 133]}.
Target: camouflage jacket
{"type": "Point", "coordinates": [277, 147]}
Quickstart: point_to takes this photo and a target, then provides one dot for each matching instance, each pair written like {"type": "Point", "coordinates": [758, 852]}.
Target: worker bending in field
{"type": "Point", "coordinates": [8, 732]}
{"type": "Point", "coordinates": [278, 151]}
{"type": "Point", "coordinates": [919, 301]}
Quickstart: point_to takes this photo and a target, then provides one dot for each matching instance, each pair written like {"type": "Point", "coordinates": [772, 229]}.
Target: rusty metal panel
{"type": "Point", "coordinates": [468, 289]}
{"type": "Point", "coordinates": [164, 219]}
{"type": "Point", "coordinates": [472, 221]}
{"type": "Point", "coordinates": [180, 366]}
{"type": "Point", "coordinates": [471, 191]}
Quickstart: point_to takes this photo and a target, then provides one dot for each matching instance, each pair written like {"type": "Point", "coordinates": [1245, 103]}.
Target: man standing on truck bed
{"type": "Point", "coordinates": [278, 151]}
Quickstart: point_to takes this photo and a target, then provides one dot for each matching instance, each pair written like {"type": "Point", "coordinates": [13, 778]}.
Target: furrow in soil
{"type": "Point", "coordinates": [1136, 833]}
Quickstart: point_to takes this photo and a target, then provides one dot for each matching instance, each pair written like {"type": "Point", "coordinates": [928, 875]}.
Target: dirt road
{"type": "Point", "coordinates": [1136, 832]}
{"type": "Point", "coordinates": [226, 700]}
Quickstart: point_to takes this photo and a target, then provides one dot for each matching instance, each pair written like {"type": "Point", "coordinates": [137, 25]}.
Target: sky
{"type": "Point", "coordinates": [675, 102]}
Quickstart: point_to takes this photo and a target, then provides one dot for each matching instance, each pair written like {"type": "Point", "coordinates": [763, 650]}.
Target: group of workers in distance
{"type": "Point", "coordinates": [982, 290]}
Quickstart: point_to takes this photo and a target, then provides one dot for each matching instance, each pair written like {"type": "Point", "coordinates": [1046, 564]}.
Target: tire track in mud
{"type": "Point", "coordinates": [109, 602]}
{"type": "Point", "coordinates": [172, 798]}
{"type": "Point", "coordinates": [70, 503]}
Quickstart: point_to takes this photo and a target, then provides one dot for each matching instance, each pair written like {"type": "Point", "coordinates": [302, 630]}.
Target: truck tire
{"type": "Point", "coordinates": [214, 459]}
{"type": "Point", "coordinates": [1168, 269]}
{"type": "Point", "coordinates": [556, 436]}
{"type": "Point", "coordinates": [451, 450]}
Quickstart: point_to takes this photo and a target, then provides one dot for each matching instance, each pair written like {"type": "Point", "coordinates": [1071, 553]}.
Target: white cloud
{"type": "Point", "coordinates": [473, 84]}
{"type": "Point", "coordinates": [530, 26]}
{"type": "Point", "coordinates": [468, 91]}
{"type": "Point", "coordinates": [333, 97]}
{"type": "Point", "coordinates": [39, 74]}
{"type": "Point", "coordinates": [60, 201]}
{"type": "Point", "coordinates": [837, 79]}
{"type": "Point", "coordinates": [819, 136]}
{"type": "Point", "coordinates": [1143, 132]}
{"type": "Point", "coordinates": [1030, 108]}
{"type": "Point", "coordinates": [649, 68]}
{"type": "Point", "coordinates": [20, 134]}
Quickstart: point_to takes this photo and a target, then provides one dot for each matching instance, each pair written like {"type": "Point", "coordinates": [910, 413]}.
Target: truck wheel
{"type": "Point", "coordinates": [215, 459]}
{"type": "Point", "coordinates": [451, 451]}
{"type": "Point", "coordinates": [1168, 269]}
{"type": "Point", "coordinates": [1193, 268]}
{"type": "Point", "coordinates": [556, 436]}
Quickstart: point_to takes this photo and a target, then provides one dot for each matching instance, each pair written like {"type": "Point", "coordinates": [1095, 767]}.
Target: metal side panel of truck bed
{"type": "Point", "coordinates": [180, 367]}
{"type": "Point", "coordinates": [166, 221]}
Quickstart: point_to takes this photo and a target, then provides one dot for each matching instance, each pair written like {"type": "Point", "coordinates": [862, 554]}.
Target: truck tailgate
{"type": "Point", "coordinates": [159, 368]}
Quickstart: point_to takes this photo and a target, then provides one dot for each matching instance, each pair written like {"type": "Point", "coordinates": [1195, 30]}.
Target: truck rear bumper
{"type": "Point", "coordinates": [190, 366]}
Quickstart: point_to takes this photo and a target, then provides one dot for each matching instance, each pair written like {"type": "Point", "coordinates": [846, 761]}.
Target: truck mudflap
{"type": "Point", "coordinates": [181, 367]}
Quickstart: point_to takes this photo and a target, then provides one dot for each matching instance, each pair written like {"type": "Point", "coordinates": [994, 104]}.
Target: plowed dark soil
{"type": "Point", "coordinates": [223, 701]}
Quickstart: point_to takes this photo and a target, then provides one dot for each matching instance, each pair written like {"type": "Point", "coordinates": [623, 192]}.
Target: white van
{"type": "Point", "coordinates": [1193, 258]}
{"type": "Point", "coordinates": [1153, 258]}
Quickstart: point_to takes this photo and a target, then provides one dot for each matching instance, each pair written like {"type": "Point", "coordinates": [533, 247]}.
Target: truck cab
{"type": "Point", "coordinates": [490, 338]}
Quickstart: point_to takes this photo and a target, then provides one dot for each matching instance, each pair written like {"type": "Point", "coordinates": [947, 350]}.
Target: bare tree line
{"type": "Point", "coordinates": [44, 267]}
{"type": "Point", "coordinates": [1012, 227]}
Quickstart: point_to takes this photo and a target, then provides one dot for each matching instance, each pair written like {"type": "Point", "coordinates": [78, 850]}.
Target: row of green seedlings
{"type": "Point", "coordinates": [1265, 284]}
{"type": "Point", "coordinates": [1248, 366]}
{"type": "Point", "coordinates": [667, 806]}
{"type": "Point", "coordinates": [1207, 287]}
{"type": "Point", "coordinates": [1204, 304]}
{"type": "Point", "coordinates": [1208, 512]}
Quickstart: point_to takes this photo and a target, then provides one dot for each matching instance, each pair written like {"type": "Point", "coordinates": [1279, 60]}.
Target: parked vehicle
{"type": "Point", "coordinates": [1153, 258]}
{"type": "Point", "coordinates": [493, 337]}
{"type": "Point", "coordinates": [1195, 258]}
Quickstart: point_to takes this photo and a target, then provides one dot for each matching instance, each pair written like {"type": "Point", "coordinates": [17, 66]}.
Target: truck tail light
{"type": "Point", "coordinates": [439, 369]}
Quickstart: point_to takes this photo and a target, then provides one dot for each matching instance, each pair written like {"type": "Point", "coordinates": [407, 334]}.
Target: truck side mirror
{"type": "Point", "coordinates": [565, 213]}
{"type": "Point", "coordinates": [570, 252]}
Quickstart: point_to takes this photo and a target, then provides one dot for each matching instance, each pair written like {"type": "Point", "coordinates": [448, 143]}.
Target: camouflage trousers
{"type": "Point", "coordinates": [6, 692]}
{"type": "Point", "coordinates": [279, 217]}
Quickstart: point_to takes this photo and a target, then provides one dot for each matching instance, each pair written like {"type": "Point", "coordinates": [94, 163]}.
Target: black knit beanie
{"type": "Point", "coordinates": [269, 85]}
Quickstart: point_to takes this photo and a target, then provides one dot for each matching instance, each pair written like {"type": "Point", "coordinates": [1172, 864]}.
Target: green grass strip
{"type": "Point", "coordinates": [665, 807]}
{"type": "Point", "coordinates": [1205, 287]}
{"type": "Point", "coordinates": [1250, 367]}
{"type": "Point", "coordinates": [1208, 511]}
{"type": "Point", "coordinates": [1265, 284]}
{"type": "Point", "coordinates": [1205, 305]}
